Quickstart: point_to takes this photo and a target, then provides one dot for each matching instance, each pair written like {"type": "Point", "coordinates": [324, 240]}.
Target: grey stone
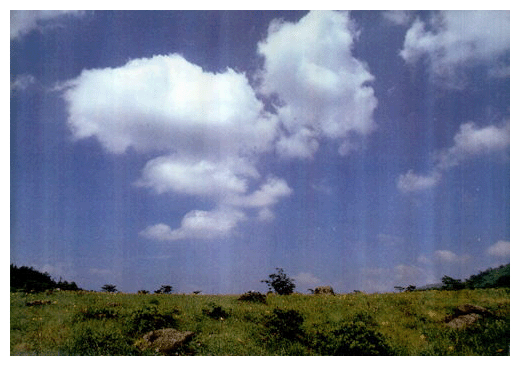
{"type": "Point", "coordinates": [164, 341]}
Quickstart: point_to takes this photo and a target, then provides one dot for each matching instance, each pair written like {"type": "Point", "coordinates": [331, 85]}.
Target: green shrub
{"type": "Point", "coordinates": [144, 320]}
{"type": "Point", "coordinates": [90, 340]}
{"type": "Point", "coordinates": [215, 312]}
{"type": "Point", "coordinates": [350, 338]}
{"type": "Point", "coordinates": [253, 296]}
{"type": "Point", "coordinates": [284, 324]}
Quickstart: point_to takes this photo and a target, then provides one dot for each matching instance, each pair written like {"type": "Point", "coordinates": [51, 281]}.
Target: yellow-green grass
{"type": "Point", "coordinates": [411, 323]}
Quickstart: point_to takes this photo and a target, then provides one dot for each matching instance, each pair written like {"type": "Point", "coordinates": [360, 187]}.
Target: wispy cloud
{"type": "Point", "coordinates": [22, 82]}
{"type": "Point", "coordinates": [471, 141]}
{"type": "Point", "coordinates": [25, 21]}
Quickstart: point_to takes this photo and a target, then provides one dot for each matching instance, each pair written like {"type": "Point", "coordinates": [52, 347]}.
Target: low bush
{"type": "Point", "coordinates": [92, 340]}
{"type": "Point", "coordinates": [253, 296]}
{"type": "Point", "coordinates": [149, 318]}
{"type": "Point", "coordinates": [216, 312]}
{"type": "Point", "coordinates": [349, 338]}
{"type": "Point", "coordinates": [284, 324]}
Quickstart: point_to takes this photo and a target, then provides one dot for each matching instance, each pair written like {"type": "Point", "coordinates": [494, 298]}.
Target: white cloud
{"type": "Point", "coordinates": [196, 177]}
{"type": "Point", "coordinates": [166, 103]}
{"type": "Point", "coordinates": [447, 256]}
{"type": "Point", "coordinates": [411, 182]}
{"type": "Point", "coordinates": [199, 225]}
{"type": "Point", "coordinates": [454, 39]}
{"type": "Point", "coordinates": [471, 141]}
{"type": "Point", "coordinates": [499, 249]}
{"type": "Point", "coordinates": [209, 126]}
{"type": "Point", "coordinates": [24, 21]}
{"type": "Point", "coordinates": [322, 89]}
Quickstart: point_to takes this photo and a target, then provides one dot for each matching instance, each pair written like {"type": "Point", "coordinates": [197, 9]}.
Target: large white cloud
{"type": "Point", "coordinates": [167, 103]}
{"type": "Point", "coordinates": [454, 39]}
{"type": "Point", "coordinates": [322, 90]}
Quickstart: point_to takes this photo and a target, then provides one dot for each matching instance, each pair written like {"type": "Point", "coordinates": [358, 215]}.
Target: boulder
{"type": "Point", "coordinates": [164, 341]}
{"type": "Point", "coordinates": [463, 321]}
{"type": "Point", "coordinates": [323, 290]}
{"type": "Point", "coordinates": [465, 315]}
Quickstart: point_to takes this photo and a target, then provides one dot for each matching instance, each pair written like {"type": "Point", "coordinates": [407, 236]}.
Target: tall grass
{"type": "Point", "coordinates": [81, 323]}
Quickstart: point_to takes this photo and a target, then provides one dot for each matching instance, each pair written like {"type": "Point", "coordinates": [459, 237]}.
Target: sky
{"type": "Point", "coordinates": [204, 149]}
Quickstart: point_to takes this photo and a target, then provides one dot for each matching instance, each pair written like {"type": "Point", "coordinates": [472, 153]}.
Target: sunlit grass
{"type": "Point", "coordinates": [410, 323]}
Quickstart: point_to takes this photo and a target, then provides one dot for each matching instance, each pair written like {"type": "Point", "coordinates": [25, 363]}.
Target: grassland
{"type": "Point", "coordinates": [90, 323]}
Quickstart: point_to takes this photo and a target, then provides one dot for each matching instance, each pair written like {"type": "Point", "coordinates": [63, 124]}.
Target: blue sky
{"type": "Point", "coordinates": [363, 150]}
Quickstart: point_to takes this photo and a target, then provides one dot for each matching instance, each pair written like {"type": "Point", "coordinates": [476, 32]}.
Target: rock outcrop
{"type": "Point", "coordinates": [164, 341]}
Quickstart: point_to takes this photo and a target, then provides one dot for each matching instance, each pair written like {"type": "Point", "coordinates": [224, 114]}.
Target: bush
{"type": "Point", "coordinates": [253, 296]}
{"type": "Point", "coordinates": [90, 340]}
{"type": "Point", "coordinates": [144, 320]}
{"type": "Point", "coordinates": [215, 312]}
{"type": "Point", "coordinates": [284, 324]}
{"type": "Point", "coordinates": [280, 283]}
{"type": "Point", "coordinates": [350, 338]}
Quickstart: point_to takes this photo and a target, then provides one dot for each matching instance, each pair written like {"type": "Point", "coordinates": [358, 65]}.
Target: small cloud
{"type": "Point", "coordinates": [411, 182]}
{"type": "Point", "coordinates": [499, 249]}
{"type": "Point", "coordinates": [470, 142]}
{"type": "Point", "coordinates": [447, 256]}
{"type": "Point", "coordinates": [197, 224]}
{"type": "Point", "coordinates": [398, 17]}
{"type": "Point", "coordinates": [307, 280]}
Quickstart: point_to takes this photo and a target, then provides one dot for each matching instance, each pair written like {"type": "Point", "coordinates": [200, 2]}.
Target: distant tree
{"type": "Point", "coordinates": [165, 289]}
{"type": "Point", "coordinates": [280, 283]}
{"type": "Point", "coordinates": [410, 288]}
{"type": "Point", "coordinates": [449, 283]}
{"type": "Point", "coordinates": [399, 288]}
{"type": "Point", "coordinates": [143, 292]}
{"type": "Point", "coordinates": [109, 288]}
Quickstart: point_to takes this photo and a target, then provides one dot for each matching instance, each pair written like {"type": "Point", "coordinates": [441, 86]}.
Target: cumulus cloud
{"type": "Point", "coordinates": [209, 128]}
{"type": "Point", "coordinates": [167, 103]}
{"type": "Point", "coordinates": [25, 21]}
{"type": "Point", "coordinates": [199, 225]}
{"type": "Point", "coordinates": [322, 89]}
{"type": "Point", "coordinates": [499, 249]}
{"type": "Point", "coordinates": [451, 40]}
{"type": "Point", "coordinates": [471, 141]}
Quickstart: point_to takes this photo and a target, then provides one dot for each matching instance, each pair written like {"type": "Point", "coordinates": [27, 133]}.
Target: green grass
{"type": "Point", "coordinates": [83, 323]}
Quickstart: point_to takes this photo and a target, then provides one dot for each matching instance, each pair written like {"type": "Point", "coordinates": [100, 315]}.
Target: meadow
{"type": "Point", "coordinates": [408, 323]}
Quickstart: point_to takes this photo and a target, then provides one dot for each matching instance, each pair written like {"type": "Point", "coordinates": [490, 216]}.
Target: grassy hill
{"type": "Point", "coordinates": [408, 323]}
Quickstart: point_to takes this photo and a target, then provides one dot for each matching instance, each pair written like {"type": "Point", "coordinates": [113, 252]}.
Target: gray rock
{"type": "Point", "coordinates": [164, 341]}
